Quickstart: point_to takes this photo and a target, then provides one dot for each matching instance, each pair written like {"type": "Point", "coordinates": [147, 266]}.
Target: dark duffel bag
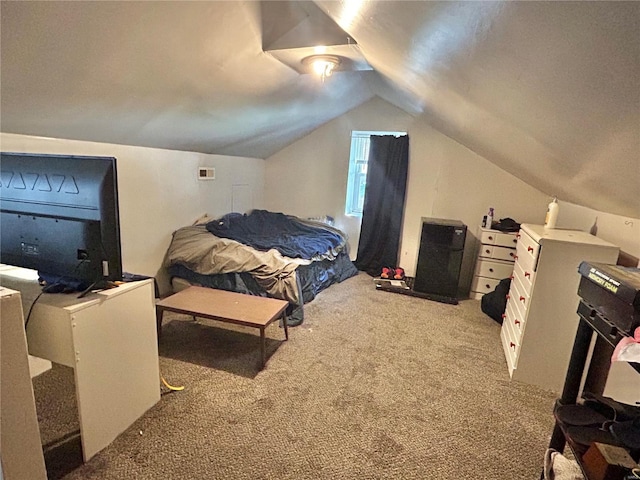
{"type": "Point", "coordinates": [494, 303]}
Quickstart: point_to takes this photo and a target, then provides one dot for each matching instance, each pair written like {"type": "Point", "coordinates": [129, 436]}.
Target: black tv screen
{"type": "Point", "coordinates": [59, 215]}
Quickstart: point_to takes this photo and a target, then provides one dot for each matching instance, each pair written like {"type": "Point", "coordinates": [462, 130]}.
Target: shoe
{"type": "Point", "coordinates": [398, 274]}
{"type": "Point", "coordinates": [627, 433]}
{"type": "Point", "coordinates": [387, 273]}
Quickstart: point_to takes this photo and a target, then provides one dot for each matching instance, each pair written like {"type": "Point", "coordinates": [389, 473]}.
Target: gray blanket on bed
{"type": "Point", "coordinates": [199, 250]}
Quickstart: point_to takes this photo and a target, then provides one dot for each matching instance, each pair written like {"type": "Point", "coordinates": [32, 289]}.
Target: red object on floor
{"type": "Point", "coordinates": [399, 274]}
{"type": "Point", "coordinates": [387, 272]}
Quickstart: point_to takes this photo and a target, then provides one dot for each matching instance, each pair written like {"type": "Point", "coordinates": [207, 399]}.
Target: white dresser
{"type": "Point", "coordinates": [541, 320]}
{"type": "Point", "coordinates": [495, 260]}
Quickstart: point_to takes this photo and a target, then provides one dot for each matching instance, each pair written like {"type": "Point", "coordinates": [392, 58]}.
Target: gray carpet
{"type": "Point", "coordinates": [372, 385]}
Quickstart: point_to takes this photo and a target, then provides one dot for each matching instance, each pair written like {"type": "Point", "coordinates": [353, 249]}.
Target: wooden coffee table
{"type": "Point", "coordinates": [229, 307]}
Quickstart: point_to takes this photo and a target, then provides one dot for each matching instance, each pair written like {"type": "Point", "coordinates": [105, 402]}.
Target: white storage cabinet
{"type": "Point", "coordinates": [495, 260]}
{"type": "Point", "coordinates": [540, 319]}
{"type": "Point", "coordinates": [109, 339]}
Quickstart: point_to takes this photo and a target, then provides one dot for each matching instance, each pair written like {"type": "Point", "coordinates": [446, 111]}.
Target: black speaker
{"type": "Point", "coordinates": [440, 258]}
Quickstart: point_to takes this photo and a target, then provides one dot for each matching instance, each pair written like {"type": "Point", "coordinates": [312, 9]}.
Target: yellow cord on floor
{"type": "Point", "coordinates": [170, 387]}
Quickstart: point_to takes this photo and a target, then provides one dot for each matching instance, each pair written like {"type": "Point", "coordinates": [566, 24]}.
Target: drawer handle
{"type": "Point", "coordinates": [491, 270]}
{"type": "Point", "coordinates": [522, 299]}
{"type": "Point", "coordinates": [517, 322]}
{"type": "Point", "coordinates": [487, 286]}
{"type": "Point", "coordinates": [517, 236]}
{"type": "Point", "coordinates": [512, 345]}
{"type": "Point", "coordinates": [510, 277]}
{"type": "Point", "coordinates": [515, 240]}
{"type": "Point", "coordinates": [490, 237]}
{"type": "Point", "coordinates": [504, 315]}
{"type": "Point", "coordinates": [487, 251]}
{"type": "Point", "coordinates": [513, 255]}
{"type": "Point", "coordinates": [527, 274]}
{"type": "Point", "coordinates": [507, 296]}
{"type": "Point", "coordinates": [529, 249]}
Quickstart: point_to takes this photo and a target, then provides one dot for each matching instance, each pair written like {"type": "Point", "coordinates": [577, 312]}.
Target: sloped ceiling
{"type": "Point", "coordinates": [549, 91]}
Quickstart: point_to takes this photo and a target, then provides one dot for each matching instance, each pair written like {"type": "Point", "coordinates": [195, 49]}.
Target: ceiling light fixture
{"type": "Point", "coordinates": [322, 65]}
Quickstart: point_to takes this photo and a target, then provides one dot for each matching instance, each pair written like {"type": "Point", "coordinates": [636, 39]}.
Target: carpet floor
{"type": "Point", "coordinates": [373, 385]}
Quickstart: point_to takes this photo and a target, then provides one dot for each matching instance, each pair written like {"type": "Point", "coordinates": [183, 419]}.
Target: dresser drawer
{"type": "Point", "coordinates": [484, 285]}
{"type": "Point", "coordinates": [514, 345]}
{"type": "Point", "coordinates": [524, 276]}
{"type": "Point", "coordinates": [499, 253]}
{"type": "Point", "coordinates": [527, 251]}
{"type": "Point", "coordinates": [510, 347]}
{"type": "Point", "coordinates": [499, 239]}
{"type": "Point", "coordinates": [518, 316]}
{"type": "Point", "coordinates": [493, 269]}
{"type": "Point", "coordinates": [519, 295]}
{"type": "Point", "coordinates": [516, 321]}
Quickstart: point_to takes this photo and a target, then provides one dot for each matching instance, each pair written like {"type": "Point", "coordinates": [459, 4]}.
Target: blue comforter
{"type": "Point", "coordinates": [264, 230]}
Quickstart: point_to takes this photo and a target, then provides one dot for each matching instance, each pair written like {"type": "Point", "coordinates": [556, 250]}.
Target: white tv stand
{"type": "Point", "coordinates": [109, 339]}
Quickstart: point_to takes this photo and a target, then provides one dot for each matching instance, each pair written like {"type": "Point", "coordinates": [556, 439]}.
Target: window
{"type": "Point", "coordinates": [357, 180]}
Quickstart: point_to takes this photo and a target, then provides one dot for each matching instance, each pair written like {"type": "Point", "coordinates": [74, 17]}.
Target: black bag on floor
{"type": "Point", "coordinates": [494, 303]}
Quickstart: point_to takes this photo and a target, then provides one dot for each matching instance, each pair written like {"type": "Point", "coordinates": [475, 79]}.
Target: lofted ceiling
{"type": "Point", "coordinates": [548, 91]}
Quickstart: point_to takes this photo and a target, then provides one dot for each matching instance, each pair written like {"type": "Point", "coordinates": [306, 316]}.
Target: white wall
{"type": "Point", "coordinates": [159, 191]}
{"type": "Point", "coordinates": [446, 180]}
{"type": "Point", "coordinates": [621, 231]}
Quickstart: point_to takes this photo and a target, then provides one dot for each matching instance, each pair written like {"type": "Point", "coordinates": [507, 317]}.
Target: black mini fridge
{"type": "Point", "coordinates": [440, 259]}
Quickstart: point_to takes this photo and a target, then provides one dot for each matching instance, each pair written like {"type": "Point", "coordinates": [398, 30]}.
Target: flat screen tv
{"type": "Point", "coordinates": [59, 215]}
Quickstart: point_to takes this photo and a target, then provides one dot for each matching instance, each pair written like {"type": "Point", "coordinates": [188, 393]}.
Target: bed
{"type": "Point", "coordinates": [261, 253]}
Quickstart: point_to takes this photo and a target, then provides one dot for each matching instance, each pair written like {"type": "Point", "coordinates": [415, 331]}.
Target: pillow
{"type": "Point", "coordinates": [202, 220]}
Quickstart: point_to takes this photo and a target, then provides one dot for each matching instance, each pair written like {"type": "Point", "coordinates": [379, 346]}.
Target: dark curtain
{"type": "Point", "coordinates": [383, 203]}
